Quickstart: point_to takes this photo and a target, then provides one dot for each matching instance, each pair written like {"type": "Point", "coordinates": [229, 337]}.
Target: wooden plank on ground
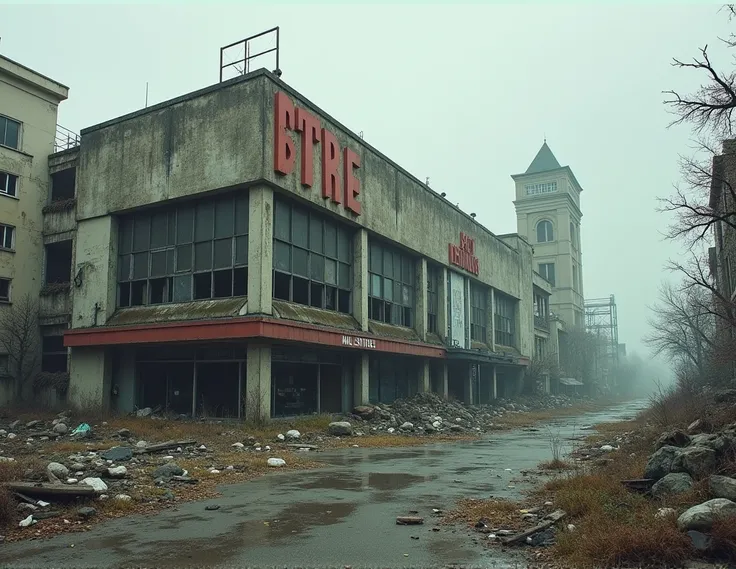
{"type": "Point", "coordinates": [548, 521]}
{"type": "Point", "coordinates": [409, 520]}
{"type": "Point", "coordinates": [43, 489]}
{"type": "Point", "coordinates": [163, 446]}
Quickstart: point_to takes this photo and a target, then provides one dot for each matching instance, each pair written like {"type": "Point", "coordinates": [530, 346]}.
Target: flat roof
{"type": "Point", "coordinates": [59, 86]}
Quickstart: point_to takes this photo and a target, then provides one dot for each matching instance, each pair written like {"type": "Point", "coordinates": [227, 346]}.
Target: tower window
{"type": "Point", "coordinates": [545, 233]}
{"type": "Point", "coordinates": [545, 188]}
{"type": "Point", "coordinates": [547, 270]}
{"type": "Point", "coordinates": [573, 239]}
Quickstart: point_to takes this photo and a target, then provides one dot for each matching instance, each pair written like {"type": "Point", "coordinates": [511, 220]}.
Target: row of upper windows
{"type": "Point", "coordinates": [543, 188]}
{"type": "Point", "coordinates": [10, 137]}
{"type": "Point", "coordinates": [546, 233]}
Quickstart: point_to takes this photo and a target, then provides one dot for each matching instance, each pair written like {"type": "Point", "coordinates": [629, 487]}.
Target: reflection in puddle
{"type": "Point", "coordinates": [333, 482]}
{"type": "Point", "coordinates": [392, 480]}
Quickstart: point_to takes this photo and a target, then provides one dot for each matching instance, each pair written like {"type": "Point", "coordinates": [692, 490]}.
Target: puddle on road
{"type": "Point", "coordinates": [333, 482]}
{"type": "Point", "coordinates": [394, 480]}
{"type": "Point", "coordinates": [293, 521]}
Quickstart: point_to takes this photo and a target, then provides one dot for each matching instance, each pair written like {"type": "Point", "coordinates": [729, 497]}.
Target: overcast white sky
{"type": "Point", "coordinates": [437, 89]}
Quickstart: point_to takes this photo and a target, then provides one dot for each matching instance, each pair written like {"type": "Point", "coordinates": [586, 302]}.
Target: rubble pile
{"type": "Point", "coordinates": [429, 413]}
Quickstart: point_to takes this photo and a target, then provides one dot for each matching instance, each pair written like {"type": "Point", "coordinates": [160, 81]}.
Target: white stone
{"type": "Point", "coordinates": [230, 467]}
{"type": "Point", "coordinates": [267, 447]}
{"type": "Point", "coordinates": [167, 458]}
{"type": "Point", "coordinates": [280, 437]}
{"type": "Point", "coordinates": [3, 432]}
{"type": "Point", "coordinates": [276, 462]}
{"type": "Point", "coordinates": [436, 424]}
{"type": "Point", "coordinates": [141, 444]}
{"type": "Point", "coordinates": [96, 483]}
{"type": "Point", "coordinates": [58, 470]}
{"type": "Point", "coordinates": [117, 472]}
{"type": "Point", "coordinates": [293, 434]}
{"type": "Point", "coordinates": [123, 497]}
{"type": "Point", "coordinates": [458, 420]}
{"type": "Point", "coordinates": [437, 419]}
{"type": "Point", "coordinates": [571, 527]}
{"type": "Point", "coordinates": [29, 521]}
{"type": "Point", "coordinates": [549, 504]}
{"type": "Point", "coordinates": [6, 459]}
{"type": "Point", "coordinates": [178, 449]}
{"type": "Point", "coordinates": [237, 445]}
{"type": "Point", "coordinates": [607, 448]}
{"type": "Point", "coordinates": [665, 512]}
{"type": "Point", "coordinates": [71, 480]}
{"type": "Point", "coordinates": [390, 430]}
{"type": "Point", "coordinates": [12, 435]}
{"type": "Point", "coordinates": [103, 497]}
{"type": "Point", "coordinates": [355, 446]}
{"type": "Point", "coordinates": [79, 473]}
{"type": "Point", "coordinates": [42, 504]}
{"type": "Point", "coordinates": [202, 447]}
{"type": "Point", "coordinates": [214, 471]}
{"type": "Point", "coordinates": [258, 448]}
{"type": "Point", "coordinates": [407, 426]}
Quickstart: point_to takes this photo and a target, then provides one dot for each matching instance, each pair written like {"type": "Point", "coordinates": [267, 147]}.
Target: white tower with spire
{"type": "Point", "coordinates": [548, 215]}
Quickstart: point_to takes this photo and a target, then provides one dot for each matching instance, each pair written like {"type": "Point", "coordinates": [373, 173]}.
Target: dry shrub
{"type": "Point", "coordinates": [10, 470]}
{"type": "Point", "coordinates": [7, 507]}
{"type": "Point", "coordinates": [556, 464]}
{"type": "Point", "coordinates": [632, 539]}
{"type": "Point", "coordinates": [497, 512]}
{"type": "Point", "coordinates": [724, 539]}
{"type": "Point", "coordinates": [673, 408]}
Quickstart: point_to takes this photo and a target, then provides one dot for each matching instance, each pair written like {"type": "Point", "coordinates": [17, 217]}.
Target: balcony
{"type": "Point", "coordinates": [60, 216]}
{"type": "Point", "coordinates": [55, 303]}
{"type": "Point", "coordinates": [541, 322]}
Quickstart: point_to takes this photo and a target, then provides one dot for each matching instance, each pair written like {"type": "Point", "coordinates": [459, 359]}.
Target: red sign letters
{"type": "Point", "coordinates": [288, 118]}
{"type": "Point", "coordinates": [464, 255]}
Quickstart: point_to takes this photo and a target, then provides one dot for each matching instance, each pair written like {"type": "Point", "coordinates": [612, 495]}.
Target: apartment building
{"type": "Point", "coordinates": [28, 111]}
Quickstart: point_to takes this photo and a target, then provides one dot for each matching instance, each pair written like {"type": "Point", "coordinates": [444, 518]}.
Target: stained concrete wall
{"type": "Point", "coordinates": [222, 137]}
{"type": "Point", "coordinates": [90, 378]}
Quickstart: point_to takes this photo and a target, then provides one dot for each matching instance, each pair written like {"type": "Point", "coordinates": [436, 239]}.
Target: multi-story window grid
{"type": "Point", "coordinates": [545, 231]}
{"type": "Point", "coordinates": [504, 318]}
{"type": "Point", "coordinates": [7, 237]}
{"type": "Point", "coordinates": [547, 270]}
{"type": "Point", "coordinates": [4, 290]}
{"type": "Point", "coordinates": [191, 252]}
{"type": "Point", "coordinates": [9, 132]}
{"type": "Point", "coordinates": [312, 259]}
{"type": "Point", "coordinates": [478, 312]}
{"type": "Point", "coordinates": [8, 184]}
{"type": "Point", "coordinates": [433, 279]}
{"type": "Point", "coordinates": [391, 294]}
{"type": "Point", "coordinates": [544, 188]}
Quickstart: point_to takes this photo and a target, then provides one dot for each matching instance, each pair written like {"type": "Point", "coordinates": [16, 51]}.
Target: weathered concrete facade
{"type": "Point", "coordinates": [379, 310]}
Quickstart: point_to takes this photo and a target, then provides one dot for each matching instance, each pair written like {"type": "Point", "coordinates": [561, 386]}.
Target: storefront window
{"type": "Point", "coordinates": [390, 379]}
{"type": "Point", "coordinates": [505, 317]}
{"type": "Point", "coordinates": [391, 287]}
{"type": "Point", "coordinates": [312, 259]}
{"type": "Point", "coordinates": [432, 297]}
{"type": "Point", "coordinates": [478, 312]}
{"type": "Point", "coordinates": [191, 252]}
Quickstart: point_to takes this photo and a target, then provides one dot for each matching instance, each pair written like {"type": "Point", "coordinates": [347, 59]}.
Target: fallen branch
{"type": "Point", "coordinates": [639, 484]}
{"type": "Point", "coordinates": [409, 521]}
{"type": "Point", "coordinates": [51, 489]}
{"type": "Point", "coordinates": [548, 521]}
{"type": "Point", "coordinates": [163, 446]}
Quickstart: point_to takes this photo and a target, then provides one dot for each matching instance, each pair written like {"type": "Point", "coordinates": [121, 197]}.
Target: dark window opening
{"type": "Point", "coordinates": [4, 290]}
{"type": "Point", "coordinates": [59, 262]}
{"type": "Point", "coordinates": [63, 184]}
{"type": "Point", "coordinates": [9, 132]}
{"type": "Point", "coordinates": [194, 251]}
{"type": "Point", "coordinates": [312, 259]}
{"type": "Point", "coordinates": [478, 312]}
{"type": "Point", "coordinates": [504, 318]}
{"type": "Point", "coordinates": [432, 298]}
{"type": "Point", "coordinates": [391, 286]}
{"type": "Point", "coordinates": [138, 293]}
{"type": "Point", "coordinates": [8, 184]}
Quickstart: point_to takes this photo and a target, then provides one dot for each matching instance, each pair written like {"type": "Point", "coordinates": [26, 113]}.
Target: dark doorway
{"type": "Point", "coordinates": [330, 389]}
{"type": "Point", "coordinates": [218, 393]}
{"type": "Point", "coordinates": [168, 385]}
{"type": "Point", "coordinates": [59, 262]}
{"type": "Point", "coordinates": [294, 388]}
{"type": "Point", "coordinates": [152, 385]}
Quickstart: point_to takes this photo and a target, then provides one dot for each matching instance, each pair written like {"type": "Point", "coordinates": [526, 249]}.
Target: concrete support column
{"type": "Point", "coordinates": [492, 323]}
{"type": "Point", "coordinates": [125, 378]}
{"type": "Point", "coordinates": [90, 378]}
{"type": "Point", "coordinates": [360, 278]}
{"type": "Point", "coordinates": [361, 380]}
{"type": "Point", "coordinates": [347, 388]}
{"type": "Point", "coordinates": [421, 298]}
{"type": "Point", "coordinates": [445, 381]}
{"type": "Point", "coordinates": [442, 299]}
{"type": "Point", "coordinates": [258, 383]}
{"type": "Point", "coordinates": [495, 384]}
{"type": "Point", "coordinates": [425, 385]}
{"type": "Point", "coordinates": [469, 386]}
{"type": "Point", "coordinates": [260, 250]}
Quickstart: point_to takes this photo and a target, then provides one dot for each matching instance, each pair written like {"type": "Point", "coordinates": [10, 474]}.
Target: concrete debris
{"type": "Point", "coordinates": [702, 516]}
{"type": "Point", "coordinates": [723, 487]}
{"type": "Point", "coordinates": [280, 437]}
{"type": "Point", "coordinates": [60, 428]}
{"type": "Point", "coordinates": [118, 454]}
{"type": "Point", "coordinates": [340, 428]}
{"type": "Point", "coordinates": [293, 434]}
{"type": "Point", "coordinates": [29, 521]}
{"type": "Point", "coordinates": [168, 470]}
{"type": "Point", "coordinates": [276, 462]}
{"type": "Point", "coordinates": [59, 471]}
{"type": "Point", "coordinates": [86, 512]}
{"type": "Point", "coordinates": [117, 472]}
{"type": "Point", "coordinates": [96, 483]}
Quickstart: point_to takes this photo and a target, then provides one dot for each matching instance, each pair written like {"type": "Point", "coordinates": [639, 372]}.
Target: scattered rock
{"type": "Point", "coordinates": [14, 424]}
{"type": "Point", "coordinates": [60, 428]}
{"type": "Point", "coordinates": [280, 437]}
{"type": "Point", "coordinates": [212, 507]}
{"type": "Point", "coordinates": [673, 483]}
{"type": "Point", "coordinates": [365, 412]}
{"type": "Point", "coordinates": [702, 516]}
{"type": "Point", "coordinates": [72, 480]}
{"type": "Point", "coordinates": [697, 426]}
{"type": "Point", "coordinates": [58, 470]}
{"type": "Point", "coordinates": [117, 454]}
{"type": "Point", "coordinates": [700, 541]}
{"type": "Point", "coordinates": [214, 471]}
{"type": "Point", "coordinates": [607, 448]}
{"type": "Point", "coordinates": [201, 447]}
{"type": "Point", "coordinates": [96, 483]}
{"type": "Point", "coordinates": [12, 435]}
{"type": "Point", "coordinates": [293, 434]}
{"type": "Point", "coordinates": [665, 512]}
{"type": "Point", "coordinates": [86, 512]}
{"type": "Point", "coordinates": [76, 466]}
{"type": "Point", "coordinates": [145, 412]}
{"type": "Point", "coordinates": [117, 472]}
{"type": "Point", "coordinates": [571, 527]}
{"type": "Point", "coordinates": [407, 426]}
{"type": "Point", "coordinates": [123, 498]}
{"type": "Point", "coordinates": [660, 463]}
{"type": "Point", "coordinates": [238, 445]}
{"type": "Point", "coordinates": [276, 462]}
{"type": "Point", "coordinates": [723, 487]}
{"type": "Point", "coordinates": [437, 424]}
{"type": "Point", "coordinates": [674, 438]}
{"type": "Point", "coordinates": [31, 424]}
{"type": "Point", "coordinates": [390, 430]}
{"type": "Point", "coordinates": [124, 433]}
{"type": "Point", "coordinates": [141, 444]}
{"type": "Point", "coordinates": [26, 522]}
{"type": "Point", "coordinates": [340, 428]}
{"type": "Point", "coordinates": [166, 471]}
{"type": "Point", "coordinates": [696, 461]}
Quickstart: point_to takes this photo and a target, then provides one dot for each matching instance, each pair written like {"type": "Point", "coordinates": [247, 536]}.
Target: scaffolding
{"type": "Point", "coordinates": [601, 321]}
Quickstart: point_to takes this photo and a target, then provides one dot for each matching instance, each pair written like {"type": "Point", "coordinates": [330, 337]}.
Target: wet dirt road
{"type": "Point", "coordinates": [340, 515]}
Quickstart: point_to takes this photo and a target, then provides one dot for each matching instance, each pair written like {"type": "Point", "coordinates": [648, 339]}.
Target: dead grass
{"type": "Point", "coordinates": [10, 471]}
{"type": "Point", "coordinates": [724, 536]}
{"type": "Point", "coordinates": [7, 507]}
{"type": "Point", "coordinates": [528, 419]}
{"type": "Point", "coordinates": [497, 513]}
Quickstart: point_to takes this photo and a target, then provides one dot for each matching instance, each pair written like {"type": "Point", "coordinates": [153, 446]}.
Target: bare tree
{"type": "Point", "coordinates": [19, 338]}
{"type": "Point", "coordinates": [538, 370]}
{"type": "Point", "coordinates": [682, 327]}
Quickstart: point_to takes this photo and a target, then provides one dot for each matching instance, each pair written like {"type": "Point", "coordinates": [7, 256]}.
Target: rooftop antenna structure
{"type": "Point", "coordinates": [236, 58]}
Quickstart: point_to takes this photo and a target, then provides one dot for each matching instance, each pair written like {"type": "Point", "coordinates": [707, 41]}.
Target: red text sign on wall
{"type": "Point", "coordinates": [339, 188]}
{"type": "Point", "coordinates": [463, 256]}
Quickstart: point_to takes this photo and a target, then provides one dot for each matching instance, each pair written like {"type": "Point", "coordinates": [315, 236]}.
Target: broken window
{"type": "Point", "coordinates": [63, 184]}
{"type": "Point", "coordinates": [478, 312]}
{"type": "Point", "coordinates": [391, 294]}
{"type": "Point", "coordinates": [59, 262]}
{"type": "Point", "coordinates": [312, 260]}
{"type": "Point", "coordinates": [53, 354]}
{"type": "Point", "coordinates": [505, 319]}
{"type": "Point", "coordinates": [192, 252]}
{"type": "Point", "coordinates": [433, 273]}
